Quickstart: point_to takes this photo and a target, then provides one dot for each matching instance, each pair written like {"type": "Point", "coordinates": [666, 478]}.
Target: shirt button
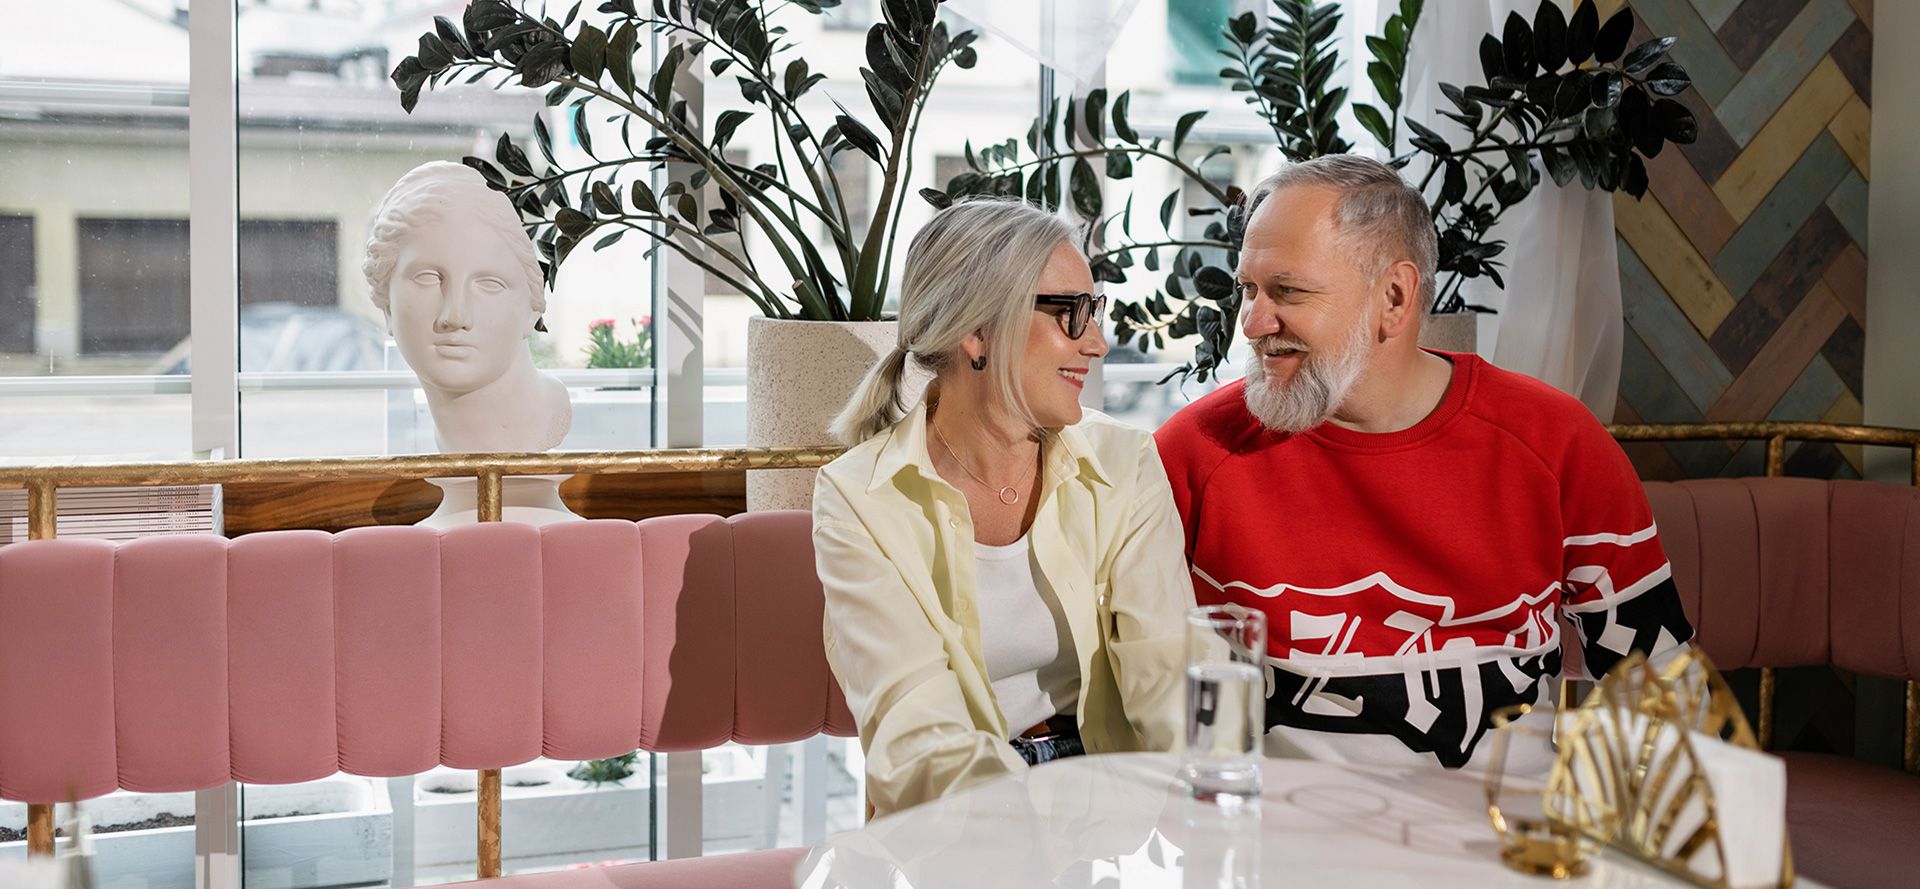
{"type": "Point", "coordinates": [953, 523]}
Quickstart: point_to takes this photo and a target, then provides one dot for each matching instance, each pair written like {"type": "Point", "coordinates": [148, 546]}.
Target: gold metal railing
{"type": "Point", "coordinates": [43, 484]}
{"type": "Point", "coordinates": [1777, 435]}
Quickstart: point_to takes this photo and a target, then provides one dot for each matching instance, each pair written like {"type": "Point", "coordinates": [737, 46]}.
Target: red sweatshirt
{"type": "Point", "coordinates": [1414, 581]}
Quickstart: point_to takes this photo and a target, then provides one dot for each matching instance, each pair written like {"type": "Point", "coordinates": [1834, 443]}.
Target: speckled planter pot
{"type": "Point", "coordinates": [799, 375]}
{"type": "Point", "coordinates": [1452, 332]}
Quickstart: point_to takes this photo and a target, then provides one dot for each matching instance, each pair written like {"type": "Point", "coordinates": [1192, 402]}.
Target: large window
{"type": "Point", "coordinates": [98, 320]}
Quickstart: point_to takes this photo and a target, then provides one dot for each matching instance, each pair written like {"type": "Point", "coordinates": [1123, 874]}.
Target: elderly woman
{"type": "Point", "coordinates": [1003, 569]}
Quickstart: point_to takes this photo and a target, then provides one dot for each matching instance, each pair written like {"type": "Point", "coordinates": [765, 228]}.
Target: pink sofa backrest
{"type": "Point", "coordinates": [179, 663]}
{"type": "Point", "coordinates": [1782, 572]}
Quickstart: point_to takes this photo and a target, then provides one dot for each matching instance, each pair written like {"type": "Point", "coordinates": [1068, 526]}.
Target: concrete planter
{"type": "Point", "coordinates": [1452, 332]}
{"type": "Point", "coordinates": [550, 820]}
{"type": "Point", "coordinates": [334, 832]}
{"type": "Point", "coordinates": [799, 375]}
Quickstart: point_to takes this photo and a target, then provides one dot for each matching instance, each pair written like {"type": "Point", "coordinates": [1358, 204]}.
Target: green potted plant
{"type": "Point", "coordinates": [1560, 98]}
{"type": "Point", "coordinates": [823, 298]}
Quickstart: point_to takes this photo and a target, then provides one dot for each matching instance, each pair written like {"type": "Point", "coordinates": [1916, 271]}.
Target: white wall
{"type": "Point", "coordinates": [1893, 216]}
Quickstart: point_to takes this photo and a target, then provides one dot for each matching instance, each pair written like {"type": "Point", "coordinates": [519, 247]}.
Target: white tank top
{"type": "Point", "coordinates": [1023, 637]}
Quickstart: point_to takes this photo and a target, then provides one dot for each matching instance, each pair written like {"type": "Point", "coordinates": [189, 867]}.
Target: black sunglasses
{"type": "Point", "coordinates": [1085, 307]}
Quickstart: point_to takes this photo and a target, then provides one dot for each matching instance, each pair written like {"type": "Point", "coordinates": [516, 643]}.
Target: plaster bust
{"type": "Point", "coordinates": [459, 283]}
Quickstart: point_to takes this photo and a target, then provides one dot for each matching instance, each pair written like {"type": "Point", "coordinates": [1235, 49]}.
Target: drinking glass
{"type": "Point", "coordinates": [1226, 653]}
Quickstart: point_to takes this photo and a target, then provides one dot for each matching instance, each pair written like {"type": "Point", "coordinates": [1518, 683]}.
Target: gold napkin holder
{"type": "Point", "coordinates": [1625, 771]}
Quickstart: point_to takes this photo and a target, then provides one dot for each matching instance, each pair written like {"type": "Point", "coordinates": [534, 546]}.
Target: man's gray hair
{"type": "Point", "coordinates": [1379, 217]}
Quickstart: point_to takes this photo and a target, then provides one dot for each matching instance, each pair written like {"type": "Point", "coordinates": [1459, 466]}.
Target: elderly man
{"type": "Point", "coordinates": [1413, 523]}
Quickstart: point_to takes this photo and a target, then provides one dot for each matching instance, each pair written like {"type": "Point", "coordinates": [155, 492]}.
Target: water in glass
{"type": "Point", "coordinates": [1225, 710]}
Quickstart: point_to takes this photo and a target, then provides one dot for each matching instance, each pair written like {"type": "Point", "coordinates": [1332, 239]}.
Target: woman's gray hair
{"type": "Point", "coordinates": [1379, 218]}
{"type": "Point", "coordinates": [973, 268]}
{"type": "Point", "coordinates": [421, 198]}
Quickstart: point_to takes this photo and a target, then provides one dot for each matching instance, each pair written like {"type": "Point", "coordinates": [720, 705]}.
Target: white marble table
{"type": "Point", "coordinates": [1123, 821]}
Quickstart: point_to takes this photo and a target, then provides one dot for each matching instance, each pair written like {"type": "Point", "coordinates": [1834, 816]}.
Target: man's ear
{"type": "Point", "coordinates": [1399, 290]}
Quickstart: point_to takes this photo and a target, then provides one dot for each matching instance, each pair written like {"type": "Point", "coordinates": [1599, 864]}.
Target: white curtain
{"type": "Point", "coordinates": [1560, 318]}
{"type": "Point", "coordinates": [1070, 36]}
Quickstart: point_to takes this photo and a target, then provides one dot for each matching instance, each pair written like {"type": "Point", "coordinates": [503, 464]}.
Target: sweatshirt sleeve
{"type": "Point", "coordinates": [1618, 585]}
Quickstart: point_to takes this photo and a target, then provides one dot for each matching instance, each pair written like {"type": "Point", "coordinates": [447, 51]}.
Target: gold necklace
{"type": "Point", "coordinates": [1007, 493]}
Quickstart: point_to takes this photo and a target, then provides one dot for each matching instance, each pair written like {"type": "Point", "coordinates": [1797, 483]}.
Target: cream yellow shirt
{"type": "Point", "coordinates": [893, 543]}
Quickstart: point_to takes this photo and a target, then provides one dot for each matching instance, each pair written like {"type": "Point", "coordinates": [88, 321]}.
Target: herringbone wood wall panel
{"type": "Point", "coordinates": [1744, 270]}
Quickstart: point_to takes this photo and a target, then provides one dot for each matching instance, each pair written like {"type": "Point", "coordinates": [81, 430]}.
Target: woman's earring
{"type": "Point", "coordinates": [979, 363]}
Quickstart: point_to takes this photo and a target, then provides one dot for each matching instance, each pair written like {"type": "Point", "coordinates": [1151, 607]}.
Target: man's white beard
{"type": "Point", "coordinates": [1317, 388]}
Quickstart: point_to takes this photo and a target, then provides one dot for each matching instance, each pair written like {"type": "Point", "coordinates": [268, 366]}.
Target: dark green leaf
{"type": "Point", "coordinates": [1386, 83]}
{"type": "Point", "coordinates": [604, 199]}
{"type": "Point", "coordinates": [487, 171]}
{"type": "Point", "coordinates": [610, 240]}
{"type": "Point", "coordinates": [580, 129]}
{"type": "Point", "coordinates": [1517, 43]}
{"type": "Point", "coordinates": [1668, 79]}
{"type": "Point", "coordinates": [1635, 181]}
{"type": "Point", "coordinates": [662, 85]}
{"type": "Point", "coordinates": [1454, 187]}
{"type": "Point", "coordinates": [1119, 166]}
{"type": "Point", "coordinates": [728, 121]}
{"type": "Point", "coordinates": [1121, 128]}
{"type": "Point", "coordinates": [1605, 88]}
{"type": "Point", "coordinates": [1581, 30]}
{"type": "Point", "coordinates": [1559, 166]}
{"type": "Point", "coordinates": [1550, 36]}
{"type": "Point", "coordinates": [1675, 122]}
{"type": "Point", "coordinates": [1094, 112]}
{"type": "Point", "coordinates": [1493, 60]}
{"type": "Point", "coordinates": [1166, 210]}
{"type": "Point", "coordinates": [857, 135]}
{"type": "Point", "coordinates": [687, 207]}
{"type": "Point", "coordinates": [643, 198]}
{"type": "Point", "coordinates": [1644, 55]}
{"type": "Point", "coordinates": [620, 56]}
{"type": "Point", "coordinates": [451, 38]}
{"type": "Point", "coordinates": [1613, 36]}
{"type": "Point", "coordinates": [1184, 126]}
{"type": "Point", "coordinates": [1084, 186]}
{"type": "Point", "coordinates": [1375, 122]}
{"type": "Point", "coordinates": [1572, 95]}
{"type": "Point", "coordinates": [1213, 282]}
{"type": "Point", "coordinates": [511, 157]}
{"type": "Point", "coordinates": [486, 15]}
{"type": "Point", "coordinates": [571, 222]}
{"type": "Point", "coordinates": [543, 138]}
{"type": "Point", "coordinates": [590, 53]}
{"type": "Point", "coordinates": [937, 198]}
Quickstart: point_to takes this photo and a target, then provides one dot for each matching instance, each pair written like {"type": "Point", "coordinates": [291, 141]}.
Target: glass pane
{"type": "Point", "coordinates": [59, 423]}
{"type": "Point", "coordinates": [93, 227]}
{"type": "Point", "coordinates": [323, 137]}
{"type": "Point", "coordinates": [139, 839]}
{"type": "Point", "coordinates": [93, 189]}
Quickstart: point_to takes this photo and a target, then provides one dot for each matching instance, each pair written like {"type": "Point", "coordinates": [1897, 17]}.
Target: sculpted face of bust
{"type": "Point", "coordinates": [458, 306]}
{"type": "Point", "coordinates": [461, 289]}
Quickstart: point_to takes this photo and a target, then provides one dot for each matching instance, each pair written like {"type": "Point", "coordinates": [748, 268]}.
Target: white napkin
{"type": "Point", "coordinates": [1749, 790]}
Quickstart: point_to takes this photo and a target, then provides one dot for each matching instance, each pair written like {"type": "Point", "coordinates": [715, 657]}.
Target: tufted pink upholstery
{"type": "Point", "coordinates": [1783, 572]}
{"type": "Point", "coordinates": [178, 663]}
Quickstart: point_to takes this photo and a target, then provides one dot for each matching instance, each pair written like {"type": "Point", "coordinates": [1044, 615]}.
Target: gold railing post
{"type": "Point", "coordinates": [487, 505]}
{"type": "Point", "coordinates": [1765, 729]}
{"type": "Point", "coordinates": [43, 520]}
{"type": "Point", "coordinates": [1776, 456]}
{"type": "Point", "coordinates": [1913, 727]}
